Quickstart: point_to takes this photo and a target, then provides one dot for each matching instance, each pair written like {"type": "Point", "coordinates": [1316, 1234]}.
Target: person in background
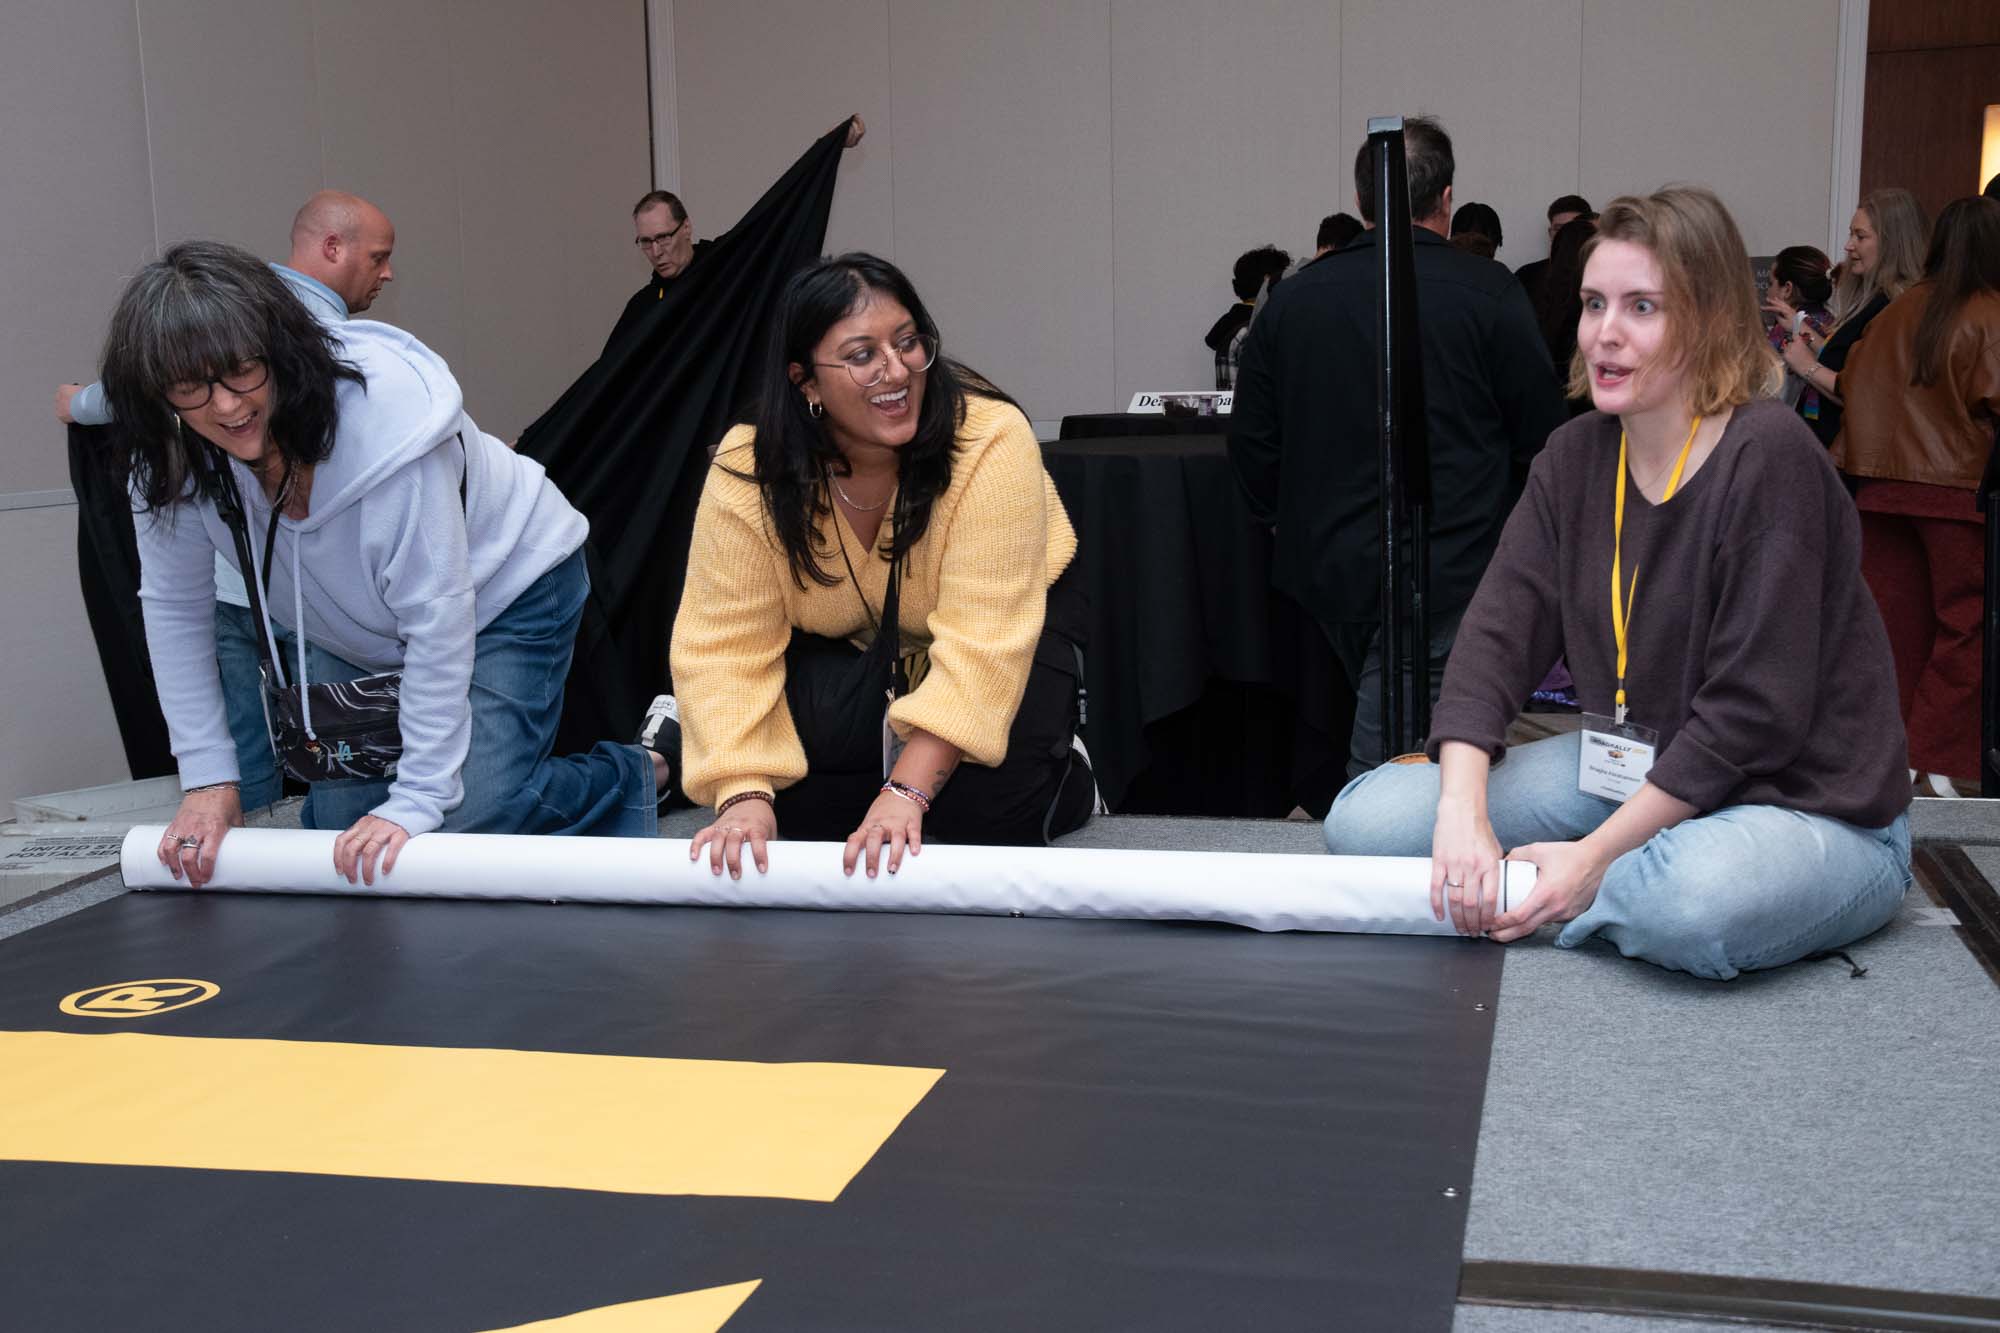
{"type": "Point", "coordinates": [1336, 232]}
{"type": "Point", "coordinates": [1922, 394]}
{"type": "Point", "coordinates": [1751, 809]}
{"type": "Point", "coordinates": [664, 238]}
{"type": "Point", "coordinates": [1992, 190]}
{"type": "Point", "coordinates": [1562, 211]}
{"type": "Point", "coordinates": [338, 263]}
{"type": "Point", "coordinates": [1302, 437]}
{"type": "Point", "coordinates": [1885, 254]}
{"type": "Point", "coordinates": [881, 484]}
{"type": "Point", "coordinates": [1559, 305]}
{"type": "Point", "coordinates": [1256, 273]}
{"type": "Point", "coordinates": [1797, 294]}
{"type": "Point", "coordinates": [1476, 227]}
{"type": "Point", "coordinates": [392, 532]}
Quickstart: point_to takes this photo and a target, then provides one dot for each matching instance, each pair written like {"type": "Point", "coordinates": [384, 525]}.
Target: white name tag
{"type": "Point", "coordinates": [1614, 757]}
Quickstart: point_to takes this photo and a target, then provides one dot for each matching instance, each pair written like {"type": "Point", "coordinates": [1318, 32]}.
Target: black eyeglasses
{"type": "Point", "coordinates": [246, 378]}
{"type": "Point", "coordinates": [659, 239]}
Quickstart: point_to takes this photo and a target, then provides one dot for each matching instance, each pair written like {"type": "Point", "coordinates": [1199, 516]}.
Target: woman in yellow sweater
{"type": "Point", "coordinates": [881, 484]}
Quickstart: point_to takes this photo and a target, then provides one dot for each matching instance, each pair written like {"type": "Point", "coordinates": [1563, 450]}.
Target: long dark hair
{"type": "Point", "coordinates": [198, 313]}
{"type": "Point", "coordinates": [1559, 301]}
{"type": "Point", "coordinates": [1964, 260]}
{"type": "Point", "coordinates": [794, 454]}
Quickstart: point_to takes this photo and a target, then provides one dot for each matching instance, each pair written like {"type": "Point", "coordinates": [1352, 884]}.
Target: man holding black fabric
{"type": "Point", "coordinates": [1303, 434]}
{"type": "Point", "coordinates": [664, 236]}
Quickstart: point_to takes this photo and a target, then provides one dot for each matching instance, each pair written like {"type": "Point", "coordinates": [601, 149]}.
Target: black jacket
{"type": "Point", "coordinates": [646, 298]}
{"type": "Point", "coordinates": [1303, 434]}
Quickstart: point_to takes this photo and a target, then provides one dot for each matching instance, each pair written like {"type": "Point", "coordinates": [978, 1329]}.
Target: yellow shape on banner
{"type": "Point", "coordinates": [627, 1124]}
{"type": "Point", "coordinates": [690, 1312]}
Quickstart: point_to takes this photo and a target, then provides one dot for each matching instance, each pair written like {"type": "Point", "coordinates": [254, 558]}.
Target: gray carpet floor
{"type": "Point", "coordinates": [1799, 1124]}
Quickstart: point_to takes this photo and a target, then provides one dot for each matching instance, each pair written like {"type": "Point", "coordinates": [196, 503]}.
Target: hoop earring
{"type": "Point", "coordinates": [815, 409]}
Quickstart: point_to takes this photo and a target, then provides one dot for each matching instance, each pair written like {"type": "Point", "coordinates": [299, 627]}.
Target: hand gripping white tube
{"type": "Point", "coordinates": [1377, 894]}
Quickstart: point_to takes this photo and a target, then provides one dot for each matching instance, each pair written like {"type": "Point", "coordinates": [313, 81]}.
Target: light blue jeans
{"type": "Point", "coordinates": [514, 783]}
{"type": "Point", "coordinates": [1747, 887]}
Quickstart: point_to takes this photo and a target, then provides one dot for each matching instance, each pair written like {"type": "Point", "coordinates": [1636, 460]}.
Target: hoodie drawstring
{"type": "Point", "coordinates": [299, 620]}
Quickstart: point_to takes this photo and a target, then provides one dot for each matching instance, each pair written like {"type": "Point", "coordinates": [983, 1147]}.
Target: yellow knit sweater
{"type": "Point", "coordinates": [973, 594]}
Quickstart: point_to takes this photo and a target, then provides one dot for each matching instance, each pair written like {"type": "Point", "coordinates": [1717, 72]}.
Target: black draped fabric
{"type": "Point", "coordinates": [628, 442]}
{"type": "Point", "coordinates": [107, 563]}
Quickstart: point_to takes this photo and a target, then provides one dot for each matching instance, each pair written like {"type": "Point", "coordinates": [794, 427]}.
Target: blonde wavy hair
{"type": "Point", "coordinates": [1714, 329]}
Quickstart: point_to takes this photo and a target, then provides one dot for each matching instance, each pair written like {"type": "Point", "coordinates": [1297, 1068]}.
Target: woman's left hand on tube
{"type": "Point", "coordinates": [356, 851]}
{"type": "Point", "coordinates": [893, 823]}
{"type": "Point", "coordinates": [195, 835]}
{"type": "Point", "coordinates": [1566, 881]}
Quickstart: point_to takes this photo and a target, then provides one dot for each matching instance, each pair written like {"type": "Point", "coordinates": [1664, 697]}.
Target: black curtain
{"type": "Point", "coordinates": [628, 442]}
{"type": "Point", "coordinates": [107, 562]}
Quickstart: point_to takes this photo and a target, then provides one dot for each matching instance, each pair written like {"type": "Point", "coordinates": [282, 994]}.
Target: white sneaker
{"type": "Point", "coordinates": [662, 710]}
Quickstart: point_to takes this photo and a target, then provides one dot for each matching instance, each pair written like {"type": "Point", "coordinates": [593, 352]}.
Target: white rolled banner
{"type": "Point", "coordinates": [1264, 891]}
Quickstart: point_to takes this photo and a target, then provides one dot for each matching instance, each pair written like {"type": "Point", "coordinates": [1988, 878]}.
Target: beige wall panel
{"type": "Point", "coordinates": [756, 86]}
{"type": "Point", "coordinates": [1732, 96]}
{"type": "Point", "coordinates": [56, 732]}
{"type": "Point", "coordinates": [232, 106]}
{"type": "Point", "coordinates": [1002, 132]}
{"type": "Point", "coordinates": [1222, 127]}
{"type": "Point", "coordinates": [551, 135]}
{"type": "Point", "coordinates": [388, 132]}
{"type": "Point", "coordinates": [1503, 77]}
{"type": "Point", "coordinates": [76, 210]}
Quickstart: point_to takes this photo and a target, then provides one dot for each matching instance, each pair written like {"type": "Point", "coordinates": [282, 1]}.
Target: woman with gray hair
{"type": "Point", "coordinates": [337, 468]}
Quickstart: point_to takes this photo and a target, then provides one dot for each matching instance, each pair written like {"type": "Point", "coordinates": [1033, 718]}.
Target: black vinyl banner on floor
{"type": "Point", "coordinates": [628, 442]}
{"type": "Point", "coordinates": [1138, 1125]}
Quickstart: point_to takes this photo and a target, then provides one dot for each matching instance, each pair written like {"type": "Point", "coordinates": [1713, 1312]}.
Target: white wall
{"type": "Point", "coordinates": [1068, 181]}
{"type": "Point", "coordinates": [505, 138]}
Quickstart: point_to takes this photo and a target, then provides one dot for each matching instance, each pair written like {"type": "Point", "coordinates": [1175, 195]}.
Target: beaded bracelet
{"type": "Point", "coordinates": [920, 799]}
{"type": "Point", "coordinates": [740, 797]}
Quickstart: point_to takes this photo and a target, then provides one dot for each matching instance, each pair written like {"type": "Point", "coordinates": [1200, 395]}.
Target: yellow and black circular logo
{"type": "Point", "coordinates": [139, 999]}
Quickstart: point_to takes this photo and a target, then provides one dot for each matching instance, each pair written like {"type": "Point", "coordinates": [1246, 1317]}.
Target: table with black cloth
{"type": "Point", "coordinates": [1209, 692]}
{"type": "Point", "coordinates": [1121, 425]}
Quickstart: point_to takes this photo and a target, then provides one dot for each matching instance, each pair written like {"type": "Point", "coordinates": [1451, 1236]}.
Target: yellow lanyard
{"type": "Point", "coordinates": [1621, 609]}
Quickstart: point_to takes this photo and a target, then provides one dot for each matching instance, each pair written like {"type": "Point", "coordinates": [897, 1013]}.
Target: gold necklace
{"type": "Point", "coordinates": [858, 508]}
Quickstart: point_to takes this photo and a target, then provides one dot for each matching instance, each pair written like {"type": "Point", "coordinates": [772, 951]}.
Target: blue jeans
{"type": "Point", "coordinates": [237, 656]}
{"type": "Point", "coordinates": [1747, 887]}
{"type": "Point", "coordinates": [513, 782]}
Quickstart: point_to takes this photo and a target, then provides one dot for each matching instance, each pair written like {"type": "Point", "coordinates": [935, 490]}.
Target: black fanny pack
{"type": "Point", "coordinates": [323, 731]}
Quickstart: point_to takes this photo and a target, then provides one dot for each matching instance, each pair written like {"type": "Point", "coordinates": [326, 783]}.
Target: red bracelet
{"type": "Point", "coordinates": [740, 797]}
{"type": "Point", "coordinates": [920, 799]}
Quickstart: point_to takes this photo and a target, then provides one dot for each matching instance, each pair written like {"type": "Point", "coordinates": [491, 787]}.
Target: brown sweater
{"type": "Point", "coordinates": [1756, 650]}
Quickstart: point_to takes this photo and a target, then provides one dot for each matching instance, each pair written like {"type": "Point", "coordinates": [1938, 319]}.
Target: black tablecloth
{"type": "Point", "coordinates": [1123, 425]}
{"type": "Point", "coordinates": [1210, 694]}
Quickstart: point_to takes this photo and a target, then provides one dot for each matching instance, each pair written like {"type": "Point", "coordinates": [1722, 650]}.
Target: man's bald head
{"type": "Point", "coordinates": [345, 242]}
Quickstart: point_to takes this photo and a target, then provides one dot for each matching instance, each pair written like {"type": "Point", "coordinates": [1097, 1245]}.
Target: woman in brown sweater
{"type": "Point", "coordinates": [1923, 400]}
{"type": "Point", "coordinates": [1736, 799]}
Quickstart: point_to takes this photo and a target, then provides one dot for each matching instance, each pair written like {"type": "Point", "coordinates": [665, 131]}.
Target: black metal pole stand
{"type": "Point", "coordinates": [1989, 655]}
{"type": "Point", "coordinates": [1404, 454]}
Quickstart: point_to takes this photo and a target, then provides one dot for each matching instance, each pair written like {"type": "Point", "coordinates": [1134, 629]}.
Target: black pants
{"type": "Point", "coordinates": [1041, 790]}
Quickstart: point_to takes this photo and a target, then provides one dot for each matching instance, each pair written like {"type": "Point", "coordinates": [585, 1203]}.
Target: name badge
{"type": "Point", "coordinates": [1614, 757]}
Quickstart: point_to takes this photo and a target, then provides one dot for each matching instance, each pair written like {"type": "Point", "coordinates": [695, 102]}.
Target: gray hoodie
{"type": "Point", "coordinates": [389, 570]}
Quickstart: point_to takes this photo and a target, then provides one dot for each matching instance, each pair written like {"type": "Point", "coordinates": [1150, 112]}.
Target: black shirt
{"type": "Point", "coordinates": [646, 298]}
{"type": "Point", "coordinates": [1303, 433]}
{"type": "Point", "coordinates": [1833, 355]}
